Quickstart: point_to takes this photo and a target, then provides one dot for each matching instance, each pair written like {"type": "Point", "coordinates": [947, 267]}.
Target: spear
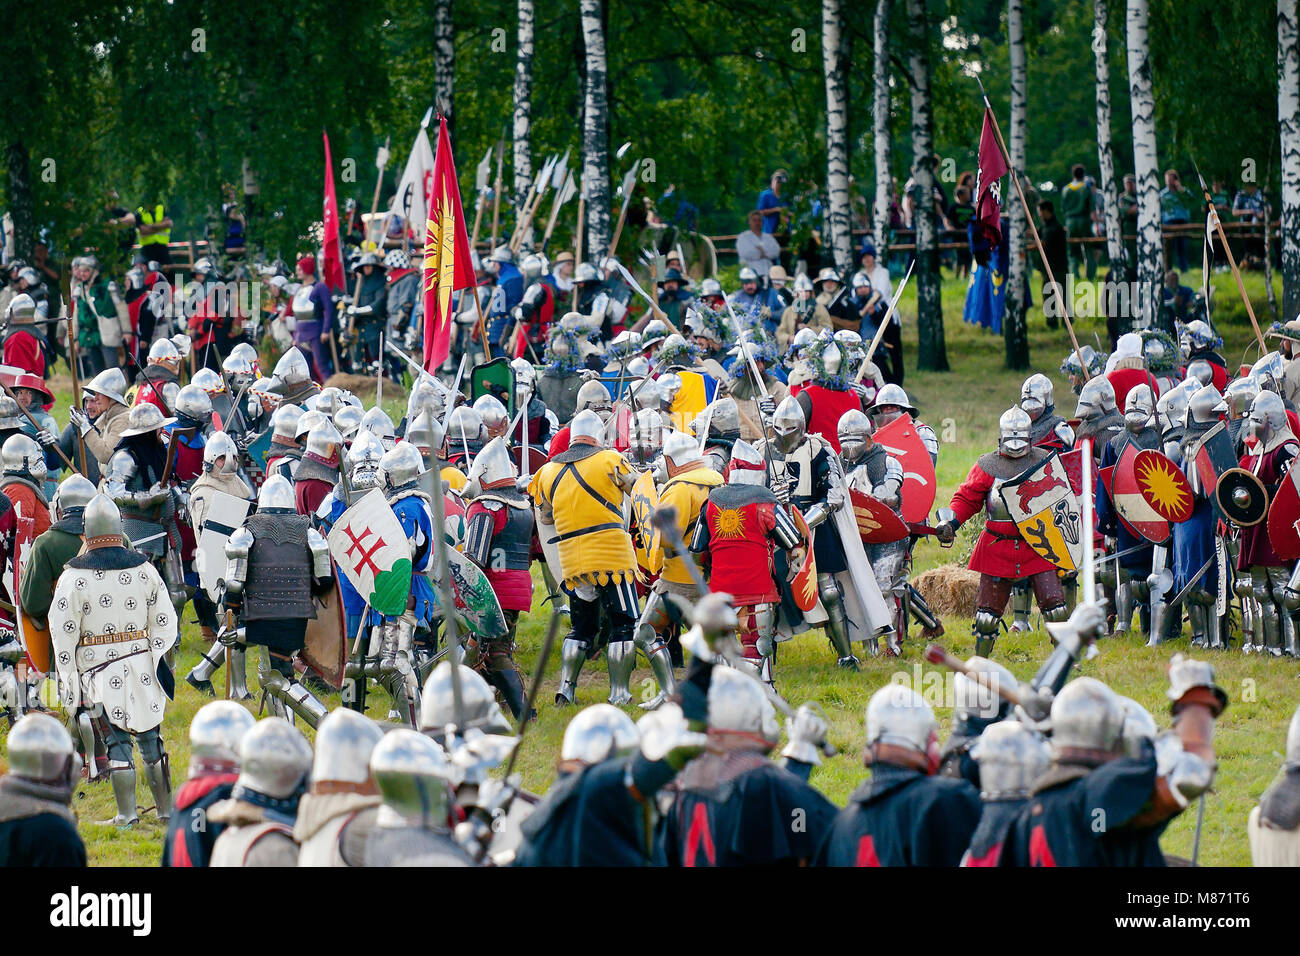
{"type": "Point", "coordinates": [481, 175]}
{"type": "Point", "coordinates": [1227, 251]}
{"type": "Point", "coordinates": [884, 323]}
{"type": "Point", "coordinates": [582, 212]}
{"type": "Point", "coordinates": [496, 189]}
{"type": "Point", "coordinates": [629, 186]}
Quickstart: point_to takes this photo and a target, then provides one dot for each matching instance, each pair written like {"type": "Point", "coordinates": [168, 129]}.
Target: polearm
{"type": "Point", "coordinates": [496, 190]}
{"type": "Point", "coordinates": [1089, 559]}
{"type": "Point", "coordinates": [563, 195]}
{"type": "Point", "coordinates": [1227, 251]}
{"type": "Point", "coordinates": [381, 160]}
{"type": "Point", "coordinates": [654, 306]}
{"type": "Point", "coordinates": [577, 232]}
{"type": "Point", "coordinates": [76, 388]}
{"type": "Point", "coordinates": [1033, 230]}
{"type": "Point", "coordinates": [884, 323]}
{"type": "Point", "coordinates": [481, 174]}
{"type": "Point", "coordinates": [530, 211]}
{"type": "Point", "coordinates": [39, 427]}
{"type": "Point", "coordinates": [629, 187]}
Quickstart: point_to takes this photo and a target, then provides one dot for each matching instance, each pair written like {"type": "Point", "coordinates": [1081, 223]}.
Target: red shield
{"type": "Point", "coordinates": [1284, 517]}
{"type": "Point", "coordinates": [877, 523]}
{"type": "Point", "coordinates": [34, 634]}
{"type": "Point", "coordinates": [1130, 503]}
{"type": "Point", "coordinates": [1163, 486]}
{"type": "Point", "coordinates": [804, 585]}
{"type": "Point", "coordinates": [1072, 461]}
{"type": "Point", "coordinates": [536, 458]}
{"type": "Point", "coordinates": [900, 439]}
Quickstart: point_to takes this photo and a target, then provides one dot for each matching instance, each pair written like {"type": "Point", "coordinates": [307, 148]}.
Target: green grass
{"type": "Point", "coordinates": [963, 407]}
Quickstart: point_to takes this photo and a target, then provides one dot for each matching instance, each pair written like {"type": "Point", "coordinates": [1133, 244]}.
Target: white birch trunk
{"type": "Point", "coordinates": [880, 129]}
{"type": "Point", "coordinates": [838, 217]}
{"type": "Point", "coordinates": [1288, 116]}
{"type": "Point", "coordinates": [1150, 248]}
{"type": "Point", "coordinates": [523, 116]}
{"type": "Point", "coordinates": [931, 354]}
{"type": "Point", "coordinates": [1015, 321]}
{"type": "Point", "coordinates": [1105, 155]}
{"type": "Point", "coordinates": [595, 137]}
{"type": "Point", "coordinates": [444, 60]}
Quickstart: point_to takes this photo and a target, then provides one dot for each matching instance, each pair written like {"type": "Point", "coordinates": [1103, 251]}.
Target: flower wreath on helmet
{"type": "Point", "coordinates": [717, 323]}
{"type": "Point", "coordinates": [815, 356]}
{"type": "Point", "coordinates": [620, 352]}
{"type": "Point", "coordinates": [763, 346]}
{"type": "Point", "coordinates": [570, 355]}
{"type": "Point", "coordinates": [685, 355]}
{"type": "Point", "coordinates": [1160, 350]}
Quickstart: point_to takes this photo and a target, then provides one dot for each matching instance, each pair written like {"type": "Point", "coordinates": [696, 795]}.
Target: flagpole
{"type": "Point", "coordinates": [1033, 230]}
{"type": "Point", "coordinates": [1232, 260]}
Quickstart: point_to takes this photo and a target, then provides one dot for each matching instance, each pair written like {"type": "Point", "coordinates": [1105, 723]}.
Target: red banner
{"type": "Point", "coordinates": [447, 265]}
{"type": "Point", "coordinates": [332, 251]}
{"type": "Point", "coordinates": [992, 167]}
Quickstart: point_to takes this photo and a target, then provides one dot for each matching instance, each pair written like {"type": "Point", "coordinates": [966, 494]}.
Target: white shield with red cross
{"type": "Point", "coordinates": [371, 549]}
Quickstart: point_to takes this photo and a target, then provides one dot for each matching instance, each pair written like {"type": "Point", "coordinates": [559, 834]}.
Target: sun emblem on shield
{"type": "Point", "coordinates": [730, 523]}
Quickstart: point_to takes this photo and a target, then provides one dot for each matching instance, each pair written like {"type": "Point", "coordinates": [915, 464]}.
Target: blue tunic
{"type": "Point", "coordinates": [354, 604]}
{"type": "Point", "coordinates": [413, 513]}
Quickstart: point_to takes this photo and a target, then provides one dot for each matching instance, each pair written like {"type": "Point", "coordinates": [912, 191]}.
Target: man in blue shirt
{"type": "Point", "coordinates": [770, 203]}
{"type": "Point", "coordinates": [1176, 203]}
{"type": "Point", "coordinates": [508, 293]}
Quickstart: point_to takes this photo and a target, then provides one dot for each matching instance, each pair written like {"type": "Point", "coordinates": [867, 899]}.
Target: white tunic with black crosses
{"type": "Point", "coordinates": [122, 618]}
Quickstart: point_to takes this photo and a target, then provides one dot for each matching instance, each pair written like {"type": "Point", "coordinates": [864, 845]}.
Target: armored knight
{"type": "Point", "coordinates": [338, 811]}
{"type": "Point", "coordinates": [37, 826]}
{"type": "Point", "coordinates": [104, 418]}
{"type": "Point", "coordinates": [189, 431]}
{"type": "Point", "coordinates": [975, 708]}
{"type": "Point", "coordinates": [741, 527]}
{"type": "Point", "coordinates": [1268, 459]}
{"type": "Point", "coordinates": [55, 547]}
{"type": "Point", "coordinates": [1048, 429]}
{"type": "Point", "coordinates": [23, 481]}
{"type": "Point", "coordinates": [1239, 395]}
{"type": "Point", "coordinates": [215, 733]}
{"type": "Point", "coordinates": [592, 396]}
{"type": "Point", "coordinates": [826, 396]}
{"type": "Point", "coordinates": [214, 386]}
{"type": "Point", "coordinates": [411, 828]}
{"type": "Point", "coordinates": [1274, 823]}
{"type": "Point", "coordinates": [318, 469]}
{"type": "Point", "coordinates": [646, 439]}
{"type": "Point", "coordinates": [259, 815]}
{"type": "Point", "coordinates": [905, 815]}
{"type": "Point", "coordinates": [495, 417]}
{"type": "Point", "coordinates": [892, 402]}
{"type": "Point", "coordinates": [1139, 792]}
{"type": "Point", "coordinates": [1194, 540]}
{"type": "Point", "coordinates": [1129, 579]}
{"type": "Point", "coordinates": [159, 380]}
{"type": "Point", "coordinates": [111, 624]}
{"type": "Point", "coordinates": [1078, 375]}
{"type": "Point", "coordinates": [464, 435]}
{"type": "Point", "coordinates": [744, 389]}
{"type": "Point", "coordinates": [1002, 556]}
{"type": "Point", "coordinates": [285, 451]}
{"type": "Point", "coordinates": [275, 564]}
{"type": "Point", "coordinates": [687, 489]}
{"type": "Point", "coordinates": [134, 482]}
{"type": "Point", "coordinates": [581, 493]}
{"type": "Point", "coordinates": [1011, 757]}
{"type": "Point", "coordinates": [874, 472]}
{"type": "Point", "coordinates": [499, 539]}
{"type": "Point", "coordinates": [292, 379]}
{"type": "Point", "coordinates": [1099, 417]}
{"type": "Point", "coordinates": [802, 466]}
{"type": "Point", "coordinates": [718, 428]}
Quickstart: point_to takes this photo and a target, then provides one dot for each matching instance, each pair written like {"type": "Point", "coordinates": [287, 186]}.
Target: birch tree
{"type": "Point", "coordinates": [1015, 333]}
{"type": "Point", "coordinates": [595, 126]}
{"type": "Point", "coordinates": [880, 130]}
{"type": "Point", "coordinates": [1105, 155]}
{"type": "Point", "coordinates": [837, 147]}
{"type": "Point", "coordinates": [931, 353]}
{"type": "Point", "coordinates": [1150, 249]}
{"type": "Point", "coordinates": [1288, 117]}
{"type": "Point", "coordinates": [523, 155]}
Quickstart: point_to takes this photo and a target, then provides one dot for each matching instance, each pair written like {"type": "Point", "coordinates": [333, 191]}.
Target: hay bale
{"type": "Point", "coordinates": [950, 590]}
{"type": "Point", "coordinates": [363, 387]}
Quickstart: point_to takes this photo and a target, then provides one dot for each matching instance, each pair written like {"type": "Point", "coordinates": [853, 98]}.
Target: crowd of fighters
{"type": "Point", "coordinates": [690, 494]}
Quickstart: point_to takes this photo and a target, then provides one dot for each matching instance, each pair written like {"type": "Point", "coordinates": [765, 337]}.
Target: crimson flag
{"type": "Point", "coordinates": [447, 264]}
{"type": "Point", "coordinates": [988, 186]}
{"type": "Point", "coordinates": [333, 256]}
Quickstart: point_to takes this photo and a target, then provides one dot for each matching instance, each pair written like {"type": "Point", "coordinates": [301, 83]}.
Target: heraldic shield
{"type": "Point", "coordinates": [1046, 511]}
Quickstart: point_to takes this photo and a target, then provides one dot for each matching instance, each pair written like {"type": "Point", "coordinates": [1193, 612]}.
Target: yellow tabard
{"type": "Point", "coordinates": [587, 503]}
{"type": "Point", "coordinates": [687, 493]}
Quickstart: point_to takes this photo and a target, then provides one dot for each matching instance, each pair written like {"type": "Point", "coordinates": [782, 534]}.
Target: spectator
{"type": "Point", "coordinates": [236, 243]}
{"type": "Point", "coordinates": [876, 272]}
{"type": "Point", "coordinates": [756, 247]}
{"type": "Point", "coordinates": [1076, 207]}
{"type": "Point", "coordinates": [1176, 210]}
{"type": "Point", "coordinates": [960, 213]}
{"type": "Point", "coordinates": [673, 299]}
{"type": "Point", "coordinates": [747, 297]}
{"type": "Point", "coordinates": [1248, 207]}
{"type": "Point", "coordinates": [50, 273]}
{"type": "Point", "coordinates": [1176, 302]}
{"type": "Point", "coordinates": [771, 206]}
{"type": "Point", "coordinates": [779, 295]}
{"type": "Point", "coordinates": [155, 228]}
{"type": "Point", "coordinates": [1222, 200]}
{"type": "Point", "coordinates": [830, 296]}
{"type": "Point", "coordinates": [308, 333]}
{"type": "Point", "coordinates": [1055, 247]}
{"type": "Point", "coordinates": [865, 308]}
{"type": "Point", "coordinates": [804, 312]}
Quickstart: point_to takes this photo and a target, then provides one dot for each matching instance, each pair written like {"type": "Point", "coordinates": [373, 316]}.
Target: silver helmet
{"type": "Point", "coordinates": [362, 462]}
{"type": "Point", "coordinates": [1171, 409]}
{"type": "Point", "coordinates": [891, 401]}
{"type": "Point", "coordinates": [276, 495]}
{"type": "Point", "coordinates": [600, 732]}
{"type": "Point", "coordinates": [241, 366]}
{"type": "Point", "coordinates": [1139, 726]}
{"type": "Point", "coordinates": [587, 426]}
{"type": "Point", "coordinates": [103, 519]}
{"type": "Point", "coordinates": [1087, 715]}
{"type": "Point", "coordinates": [22, 309]}
{"type": "Point", "coordinates": [1036, 396]}
{"type": "Point", "coordinates": [802, 339]}
{"type": "Point", "coordinates": [194, 403]}
{"type": "Point", "coordinates": [347, 419]}
{"type": "Point", "coordinates": [1013, 432]}
{"type": "Point", "coordinates": [274, 759]}
{"type": "Point", "coordinates": [1269, 371]}
{"type": "Point", "coordinates": [789, 425]}
{"type": "Point", "coordinates": [284, 422]}
{"type": "Point", "coordinates": [669, 385]}
{"type": "Point", "coordinates": [111, 383]}
{"type": "Point", "coordinates": [594, 396]}
{"type": "Point", "coordinates": [164, 352]}
{"type": "Point", "coordinates": [854, 432]}
{"type": "Point", "coordinates": [324, 441]}
{"type": "Point", "coordinates": [345, 740]}
{"type": "Point", "coordinates": [725, 419]}
{"type": "Point", "coordinates": [73, 494]}
{"type": "Point", "coordinates": [746, 466]}
{"type": "Point", "coordinates": [402, 466]}
{"type": "Point", "coordinates": [221, 454]}
{"type": "Point", "coordinates": [145, 418]}
{"type": "Point", "coordinates": [11, 415]}
{"type": "Point", "coordinates": [972, 701]}
{"type": "Point", "coordinates": [655, 332]}
{"type": "Point", "coordinates": [1267, 419]}
{"type": "Point", "coordinates": [493, 465]}
{"type": "Point", "coordinates": [413, 775]}
{"type": "Point", "coordinates": [479, 707]}
{"type": "Point", "coordinates": [832, 358]}
{"type": "Point", "coordinates": [1139, 407]}
{"type": "Point", "coordinates": [291, 371]}
{"type": "Point", "coordinates": [1096, 399]}
{"type": "Point", "coordinates": [40, 749]}
{"type": "Point", "coordinates": [184, 344]}
{"type": "Point", "coordinates": [493, 414]}
{"type": "Point", "coordinates": [23, 456]}
{"type": "Point", "coordinates": [209, 380]}
{"type": "Point", "coordinates": [377, 422]}
{"type": "Point", "coordinates": [1205, 407]}
{"type": "Point", "coordinates": [1011, 757]}
{"type": "Point", "coordinates": [215, 733]}
{"type": "Point", "coordinates": [1239, 395]}
{"type": "Point", "coordinates": [900, 716]}
{"type": "Point", "coordinates": [464, 426]}
{"type": "Point", "coordinates": [646, 436]}
{"type": "Point", "coordinates": [525, 379]}
{"type": "Point", "coordinates": [1200, 370]}
{"type": "Point", "coordinates": [425, 432]}
{"type": "Point", "coordinates": [738, 705]}
{"type": "Point", "coordinates": [680, 450]}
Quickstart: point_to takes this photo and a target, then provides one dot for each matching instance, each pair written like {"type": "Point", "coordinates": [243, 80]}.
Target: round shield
{"type": "Point", "coordinates": [1163, 486]}
{"type": "Point", "coordinates": [1242, 497]}
{"type": "Point", "coordinates": [877, 523]}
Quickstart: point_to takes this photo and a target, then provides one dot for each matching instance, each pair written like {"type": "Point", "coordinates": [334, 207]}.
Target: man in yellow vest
{"type": "Point", "coordinates": [155, 228]}
{"type": "Point", "coordinates": [580, 492]}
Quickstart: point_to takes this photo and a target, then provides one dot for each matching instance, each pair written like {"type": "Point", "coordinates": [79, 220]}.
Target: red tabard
{"type": "Point", "coordinates": [1000, 551]}
{"type": "Point", "coordinates": [513, 586]}
{"type": "Point", "coordinates": [1256, 549]}
{"type": "Point", "coordinates": [149, 392]}
{"type": "Point", "coordinates": [559, 442]}
{"type": "Point", "coordinates": [308, 493]}
{"type": "Point", "coordinates": [740, 552]}
{"type": "Point", "coordinates": [24, 351]}
{"type": "Point", "coordinates": [1124, 380]}
{"type": "Point", "coordinates": [828, 406]}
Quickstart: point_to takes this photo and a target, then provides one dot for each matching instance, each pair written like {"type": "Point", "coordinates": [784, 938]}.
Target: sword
{"type": "Point", "coordinates": [1196, 838]}
{"type": "Point", "coordinates": [1192, 583]}
{"type": "Point", "coordinates": [654, 306]}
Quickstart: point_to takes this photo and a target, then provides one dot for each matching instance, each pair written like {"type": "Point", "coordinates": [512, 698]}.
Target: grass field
{"type": "Point", "coordinates": [963, 407]}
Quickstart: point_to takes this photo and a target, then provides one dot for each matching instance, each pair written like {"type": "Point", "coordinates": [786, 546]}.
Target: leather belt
{"type": "Point", "coordinates": [609, 526]}
{"type": "Point", "coordinates": [121, 637]}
